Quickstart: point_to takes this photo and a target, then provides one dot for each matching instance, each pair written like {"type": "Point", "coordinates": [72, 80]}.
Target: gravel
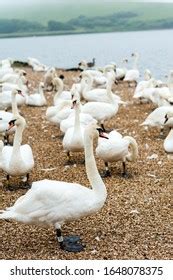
{"type": "Point", "coordinates": [135, 220]}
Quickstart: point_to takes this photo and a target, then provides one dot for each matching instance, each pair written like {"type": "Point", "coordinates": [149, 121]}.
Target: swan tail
{"type": "Point", "coordinates": [5, 214]}
{"type": "Point", "coordinates": [133, 153]}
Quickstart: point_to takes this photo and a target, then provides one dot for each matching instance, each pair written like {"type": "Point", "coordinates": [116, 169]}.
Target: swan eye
{"type": "Point", "coordinates": [61, 77]}
{"type": "Point", "coordinates": [12, 122]}
{"type": "Point", "coordinates": [19, 91]}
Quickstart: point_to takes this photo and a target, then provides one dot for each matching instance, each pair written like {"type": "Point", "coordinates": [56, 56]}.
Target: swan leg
{"type": "Point", "coordinates": [124, 174]}
{"type": "Point", "coordinates": [69, 161]}
{"type": "Point", "coordinates": [27, 185]}
{"type": "Point", "coordinates": [70, 243]}
{"type": "Point", "coordinates": [102, 126]}
{"type": "Point", "coordinates": [107, 172]}
{"type": "Point", "coordinates": [6, 140]}
{"type": "Point", "coordinates": [9, 187]}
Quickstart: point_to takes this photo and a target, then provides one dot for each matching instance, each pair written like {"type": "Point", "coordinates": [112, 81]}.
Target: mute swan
{"type": "Point", "coordinates": [37, 99]}
{"type": "Point", "coordinates": [6, 99]}
{"type": "Point", "coordinates": [48, 78]}
{"type": "Point", "coordinates": [121, 72]}
{"type": "Point", "coordinates": [56, 202]}
{"type": "Point", "coordinates": [99, 94]}
{"type": "Point", "coordinates": [36, 64]}
{"type": "Point", "coordinates": [7, 116]}
{"type": "Point", "coordinates": [168, 142]}
{"type": "Point", "coordinates": [60, 93]}
{"type": "Point", "coordinates": [56, 114]}
{"type": "Point", "coordinates": [133, 74]}
{"type": "Point", "coordinates": [101, 111]}
{"type": "Point", "coordinates": [17, 160]}
{"type": "Point", "coordinates": [85, 119]}
{"type": "Point", "coordinates": [13, 77]}
{"type": "Point", "coordinates": [157, 117]}
{"type": "Point", "coordinates": [73, 140]}
{"type": "Point", "coordinates": [116, 148]}
{"type": "Point", "coordinates": [83, 64]}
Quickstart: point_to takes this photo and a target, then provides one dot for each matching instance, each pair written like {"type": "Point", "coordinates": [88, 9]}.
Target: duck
{"type": "Point", "coordinates": [133, 74]}
{"type": "Point", "coordinates": [17, 160]}
{"type": "Point", "coordinates": [37, 99]}
{"type": "Point", "coordinates": [168, 141]}
{"type": "Point", "coordinates": [51, 202]}
{"type": "Point", "coordinates": [116, 148]}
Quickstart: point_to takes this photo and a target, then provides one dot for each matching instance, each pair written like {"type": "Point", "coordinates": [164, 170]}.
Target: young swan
{"type": "Point", "coordinates": [116, 148]}
{"type": "Point", "coordinates": [17, 160]}
{"type": "Point", "coordinates": [56, 202]}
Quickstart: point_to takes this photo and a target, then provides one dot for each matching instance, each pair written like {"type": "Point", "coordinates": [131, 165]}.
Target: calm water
{"type": "Point", "coordinates": [155, 48]}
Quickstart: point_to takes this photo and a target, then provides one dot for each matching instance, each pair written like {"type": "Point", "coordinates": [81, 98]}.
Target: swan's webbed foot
{"type": "Point", "coordinates": [105, 174]}
{"type": "Point", "coordinates": [10, 188]}
{"type": "Point", "coordinates": [72, 244]}
{"type": "Point", "coordinates": [26, 185]}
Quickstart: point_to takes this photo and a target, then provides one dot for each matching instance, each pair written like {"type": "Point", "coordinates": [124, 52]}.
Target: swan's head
{"type": "Point", "coordinates": [93, 131]}
{"type": "Point", "coordinates": [169, 120]}
{"type": "Point", "coordinates": [135, 54]}
{"type": "Point", "coordinates": [17, 91]}
{"type": "Point", "coordinates": [75, 103]}
{"type": "Point", "coordinates": [19, 121]}
{"type": "Point", "coordinates": [41, 85]}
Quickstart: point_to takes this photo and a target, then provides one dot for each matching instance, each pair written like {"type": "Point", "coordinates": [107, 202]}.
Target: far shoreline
{"type": "Point", "coordinates": [48, 34]}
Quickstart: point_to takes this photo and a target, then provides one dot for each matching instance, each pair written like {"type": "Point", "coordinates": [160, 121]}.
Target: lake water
{"type": "Point", "coordinates": [155, 48]}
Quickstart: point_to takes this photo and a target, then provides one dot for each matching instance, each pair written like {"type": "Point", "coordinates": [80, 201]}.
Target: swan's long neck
{"type": "Point", "coordinates": [170, 135]}
{"type": "Point", "coordinates": [77, 127]}
{"type": "Point", "coordinates": [41, 92]}
{"type": "Point", "coordinates": [17, 141]}
{"type": "Point", "coordinates": [14, 105]}
{"type": "Point", "coordinates": [60, 89]}
{"type": "Point", "coordinates": [109, 88]}
{"type": "Point", "coordinates": [136, 59]}
{"type": "Point", "coordinates": [91, 168]}
{"type": "Point", "coordinates": [1, 156]}
{"type": "Point", "coordinates": [88, 84]}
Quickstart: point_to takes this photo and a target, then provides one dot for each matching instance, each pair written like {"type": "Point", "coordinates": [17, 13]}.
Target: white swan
{"type": "Point", "coordinates": [116, 148]}
{"type": "Point", "coordinates": [133, 74]}
{"type": "Point", "coordinates": [157, 117]}
{"type": "Point", "coordinates": [121, 71]}
{"type": "Point", "coordinates": [6, 99]}
{"type": "Point", "coordinates": [168, 142]}
{"type": "Point", "coordinates": [101, 111]}
{"type": "Point", "coordinates": [48, 78]}
{"type": "Point", "coordinates": [60, 93]}
{"type": "Point", "coordinates": [56, 202]}
{"type": "Point", "coordinates": [7, 116]}
{"type": "Point", "coordinates": [85, 119]}
{"type": "Point", "coordinates": [99, 94]}
{"type": "Point", "coordinates": [73, 140]}
{"type": "Point", "coordinates": [17, 160]}
{"type": "Point", "coordinates": [37, 99]}
{"type": "Point", "coordinates": [36, 64]}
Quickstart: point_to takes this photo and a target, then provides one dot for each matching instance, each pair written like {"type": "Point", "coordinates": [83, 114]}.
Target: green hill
{"type": "Point", "coordinates": [74, 16]}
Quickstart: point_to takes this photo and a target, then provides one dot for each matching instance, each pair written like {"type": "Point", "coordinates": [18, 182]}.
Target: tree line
{"type": "Point", "coordinates": [122, 21]}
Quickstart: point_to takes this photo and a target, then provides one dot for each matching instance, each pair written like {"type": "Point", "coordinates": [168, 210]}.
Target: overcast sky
{"type": "Point", "coordinates": [7, 2]}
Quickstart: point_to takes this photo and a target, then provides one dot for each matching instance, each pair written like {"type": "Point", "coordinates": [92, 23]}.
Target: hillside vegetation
{"type": "Point", "coordinates": [63, 18]}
